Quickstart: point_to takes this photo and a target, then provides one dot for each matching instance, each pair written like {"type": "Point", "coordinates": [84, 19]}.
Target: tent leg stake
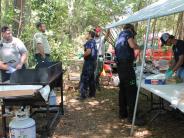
{"type": "Point", "coordinates": [141, 74]}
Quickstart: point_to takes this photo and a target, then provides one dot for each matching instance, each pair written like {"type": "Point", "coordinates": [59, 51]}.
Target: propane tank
{"type": "Point", "coordinates": [52, 98]}
{"type": "Point", "coordinates": [22, 126]}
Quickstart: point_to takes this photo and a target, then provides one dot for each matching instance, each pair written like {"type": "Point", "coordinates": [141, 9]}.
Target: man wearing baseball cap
{"type": "Point", "coordinates": [178, 51]}
{"type": "Point", "coordinates": [100, 43]}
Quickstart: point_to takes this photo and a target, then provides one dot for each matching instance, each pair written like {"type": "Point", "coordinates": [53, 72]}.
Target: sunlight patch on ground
{"type": "Point", "coordinates": [107, 131]}
{"type": "Point", "coordinates": [90, 114]}
{"type": "Point", "coordinates": [142, 133]}
{"type": "Point", "coordinates": [73, 101]}
{"type": "Point", "coordinates": [115, 126]}
{"type": "Point", "coordinates": [94, 103]}
{"type": "Point", "coordinates": [106, 100]}
{"type": "Point", "coordinates": [122, 131]}
{"type": "Point", "coordinates": [127, 125]}
{"type": "Point", "coordinates": [78, 108]}
{"type": "Point", "coordinates": [85, 133]}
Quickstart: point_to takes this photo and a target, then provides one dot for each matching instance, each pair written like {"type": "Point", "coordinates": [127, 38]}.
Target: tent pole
{"type": "Point", "coordinates": [141, 74]}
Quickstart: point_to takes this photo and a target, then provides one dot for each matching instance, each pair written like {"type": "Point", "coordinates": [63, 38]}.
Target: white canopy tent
{"type": "Point", "coordinates": [155, 10]}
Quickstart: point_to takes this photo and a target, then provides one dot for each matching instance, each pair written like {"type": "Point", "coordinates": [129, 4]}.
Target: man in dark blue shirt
{"type": "Point", "coordinates": [178, 51]}
{"type": "Point", "coordinates": [124, 51]}
{"type": "Point", "coordinates": [88, 71]}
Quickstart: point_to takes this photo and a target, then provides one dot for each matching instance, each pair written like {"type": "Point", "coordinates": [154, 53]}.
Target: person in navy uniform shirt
{"type": "Point", "coordinates": [124, 51]}
{"type": "Point", "coordinates": [89, 66]}
{"type": "Point", "coordinates": [178, 51]}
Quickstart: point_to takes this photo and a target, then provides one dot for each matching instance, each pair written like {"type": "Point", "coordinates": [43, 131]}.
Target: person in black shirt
{"type": "Point", "coordinates": [178, 52]}
{"type": "Point", "coordinates": [124, 51]}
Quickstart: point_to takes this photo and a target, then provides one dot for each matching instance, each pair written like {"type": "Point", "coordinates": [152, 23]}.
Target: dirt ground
{"type": "Point", "coordinates": [98, 118]}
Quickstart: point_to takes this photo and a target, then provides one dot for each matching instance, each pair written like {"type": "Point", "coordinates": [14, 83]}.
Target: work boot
{"type": "Point", "coordinates": [123, 115]}
{"type": "Point", "coordinates": [138, 121]}
{"type": "Point", "coordinates": [91, 96]}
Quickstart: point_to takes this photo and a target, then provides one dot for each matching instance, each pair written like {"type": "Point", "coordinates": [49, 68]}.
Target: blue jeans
{"type": "Point", "coordinates": [180, 73]}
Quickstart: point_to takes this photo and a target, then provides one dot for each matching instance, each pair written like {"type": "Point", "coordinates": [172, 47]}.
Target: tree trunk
{"type": "Point", "coordinates": [179, 33]}
{"type": "Point", "coordinates": [19, 18]}
{"type": "Point", "coordinates": [70, 16]}
{"type": "Point", "coordinates": [154, 28]}
{"type": "Point", "coordinates": [70, 8]}
{"type": "Point", "coordinates": [140, 5]}
{"type": "Point", "coordinates": [181, 36]}
{"type": "Point", "coordinates": [138, 8]}
{"type": "Point", "coordinates": [7, 4]}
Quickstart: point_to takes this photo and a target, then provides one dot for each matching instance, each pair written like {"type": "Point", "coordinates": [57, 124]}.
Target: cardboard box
{"type": "Point", "coordinates": [155, 81]}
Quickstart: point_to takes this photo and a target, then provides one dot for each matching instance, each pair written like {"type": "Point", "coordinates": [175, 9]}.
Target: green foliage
{"type": "Point", "coordinates": [66, 21]}
{"type": "Point", "coordinates": [7, 13]}
{"type": "Point", "coordinates": [61, 51]}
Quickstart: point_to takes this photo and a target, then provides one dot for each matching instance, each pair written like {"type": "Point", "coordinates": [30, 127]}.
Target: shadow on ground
{"type": "Point", "coordinates": [98, 118]}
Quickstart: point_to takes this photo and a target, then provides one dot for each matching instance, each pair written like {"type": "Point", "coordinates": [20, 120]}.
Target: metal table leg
{"type": "Point", "coordinates": [161, 109]}
{"type": "Point", "coordinates": [61, 104]}
{"type": "Point", "coordinates": [151, 102]}
{"type": "Point", "coordinates": [3, 121]}
{"type": "Point", "coordinates": [47, 116]}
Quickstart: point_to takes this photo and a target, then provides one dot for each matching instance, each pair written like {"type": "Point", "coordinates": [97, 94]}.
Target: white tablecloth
{"type": "Point", "coordinates": [173, 93]}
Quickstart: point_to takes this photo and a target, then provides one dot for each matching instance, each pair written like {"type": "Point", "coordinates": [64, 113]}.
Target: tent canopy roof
{"type": "Point", "coordinates": [155, 10]}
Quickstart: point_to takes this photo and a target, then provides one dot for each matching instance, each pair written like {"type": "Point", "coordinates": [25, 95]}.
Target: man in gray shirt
{"type": "Point", "coordinates": [13, 53]}
{"type": "Point", "coordinates": [100, 43]}
{"type": "Point", "coordinates": [41, 44]}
